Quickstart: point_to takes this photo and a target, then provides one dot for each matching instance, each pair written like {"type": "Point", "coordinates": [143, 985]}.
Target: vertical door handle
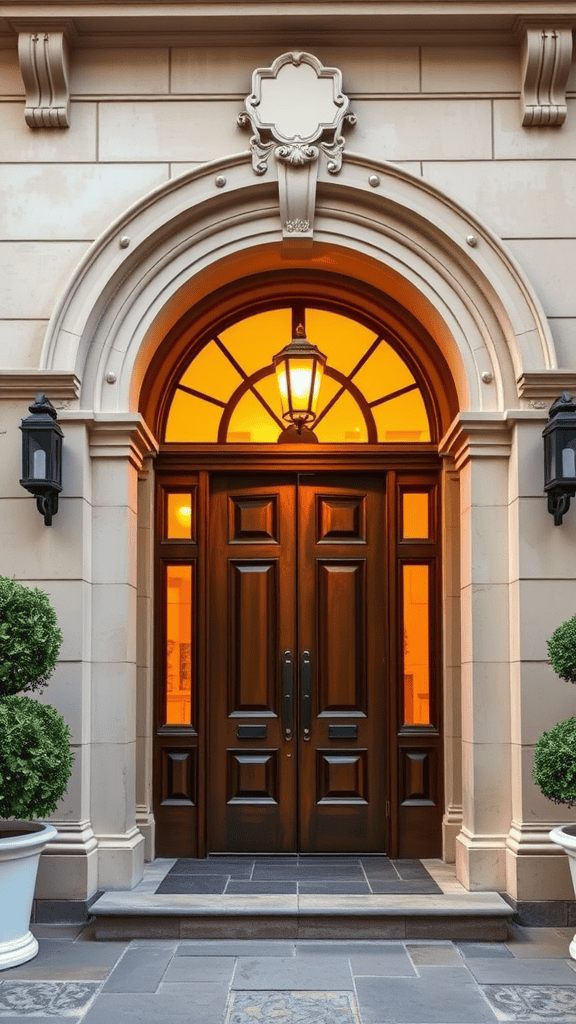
{"type": "Point", "coordinates": [306, 699]}
{"type": "Point", "coordinates": [288, 694]}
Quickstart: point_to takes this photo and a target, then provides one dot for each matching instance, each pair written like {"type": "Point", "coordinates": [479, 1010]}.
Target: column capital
{"type": "Point", "coordinates": [470, 435]}
{"type": "Point", "coordinates": [121, 436]}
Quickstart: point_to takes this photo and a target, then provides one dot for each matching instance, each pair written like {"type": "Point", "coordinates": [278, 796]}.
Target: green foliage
{"type": "Point", "coordinates": [554, 768]}
{"type": "Point", "coordinates": [35, 758]}
{"type": "Point", "coordinates": [562, 650]}
{"type": "Point", "coordinates": [29, 637]}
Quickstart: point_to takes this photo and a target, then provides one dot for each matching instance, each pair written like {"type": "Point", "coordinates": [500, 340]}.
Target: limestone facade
{"type": "Point", "coordinates": [455, 198]}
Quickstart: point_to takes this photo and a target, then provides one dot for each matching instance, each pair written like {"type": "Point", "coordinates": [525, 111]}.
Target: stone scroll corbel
{"type": "Point", "coordinates": [546, 63]}
{"type": "Point", "coordinates": [296, 112]}
{"type": "Point", "coordinates": [44, 66]}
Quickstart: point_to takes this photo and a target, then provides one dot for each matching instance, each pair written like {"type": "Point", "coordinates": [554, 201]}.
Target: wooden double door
{"type": "Point", "coordinates": [298, 657]}
{"type": "Point", "coordinates": [297, 669]}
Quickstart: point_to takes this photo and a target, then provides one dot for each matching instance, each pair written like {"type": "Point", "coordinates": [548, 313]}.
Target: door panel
{"type": "Point", "coordinates": [341, 617]}
{"type": "Point", "coordinates": [303, 597]}
{"type": "Point", "coordinates": [252, 778]}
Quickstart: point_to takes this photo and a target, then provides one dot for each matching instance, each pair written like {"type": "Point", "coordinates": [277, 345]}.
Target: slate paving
{"type": "Point", "coordinates": [529, 978]}
{"type": "Point", "coordinates": [298, 875]}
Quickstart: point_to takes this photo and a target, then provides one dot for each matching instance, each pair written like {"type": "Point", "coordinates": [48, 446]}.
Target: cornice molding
{"type": "Point", "coordinates": [24, 384]}
{"type": "Point", "coordinates": [541, 388]}
{"type": "Point", "coordinates": [546, 58]}
{"type": "Point", "coordinates": [43, 52]}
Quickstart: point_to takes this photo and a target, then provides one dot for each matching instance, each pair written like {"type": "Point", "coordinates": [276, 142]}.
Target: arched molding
{"type": "Point", "coordinates": [375, 222]}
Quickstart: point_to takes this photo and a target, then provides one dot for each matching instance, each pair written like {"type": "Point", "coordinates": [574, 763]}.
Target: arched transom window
{"type": "Point", "coordinates": [229, 393]}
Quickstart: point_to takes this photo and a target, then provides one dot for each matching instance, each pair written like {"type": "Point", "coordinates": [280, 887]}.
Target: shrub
{"type": "Point", "coordinates": [562, 650]}
{"type": "Point", "coordinates": [29, 638]}
{"type": "Point", "coordinates": [554, 768]}
{"type": "Point", "coordinates": [35, 758]}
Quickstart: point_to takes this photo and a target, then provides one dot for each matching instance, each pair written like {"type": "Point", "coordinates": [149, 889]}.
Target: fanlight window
{"type": "Point", "coordinates": [229, 391]}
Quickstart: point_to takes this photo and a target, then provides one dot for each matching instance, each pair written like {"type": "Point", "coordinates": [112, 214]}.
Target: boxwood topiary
{"type": "Point", "coordinates": [29, 638]}
{"type": "Point", "coordinates": [554, 768]}
{"type": "Point", "coordinates": [35, 754]}
{"type": "Point", "coordinates": [35, 758]}
{"type": "Point", "coordinates": [562, 650]}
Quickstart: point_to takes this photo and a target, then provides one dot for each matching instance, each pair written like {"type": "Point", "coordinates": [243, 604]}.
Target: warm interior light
{"type": "Point", "coordinates": [184, 513]}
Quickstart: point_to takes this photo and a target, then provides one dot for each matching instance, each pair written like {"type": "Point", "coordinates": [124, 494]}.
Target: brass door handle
{"type": "Point", "coordinates": [306, 698]}
{"type": "Point", "coordinates": [288, 694]}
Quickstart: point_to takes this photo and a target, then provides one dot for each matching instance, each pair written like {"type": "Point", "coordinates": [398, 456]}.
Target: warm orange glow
{"type": "Point", "coordinates": [415, 515]}
{"type": "Point", "coordinates": [305, 376]}
{"type": "Point", "coordinates": [179, 516]}
{"type": "Point", "coordinates": [416, 645]}
{"type": "Point", "coordinates": [249, 345]}
{"type": "Point", "coordinates": [179, 657]}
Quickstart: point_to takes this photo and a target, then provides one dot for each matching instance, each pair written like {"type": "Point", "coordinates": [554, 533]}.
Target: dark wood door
{"type": "Point", "coordinates": [297, 708]}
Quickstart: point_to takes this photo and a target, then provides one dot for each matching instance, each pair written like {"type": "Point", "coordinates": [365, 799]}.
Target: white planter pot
{"type": "Point", "coordinates": [565, 836]}
{"type": "Point", "coordinates": [21, 843]}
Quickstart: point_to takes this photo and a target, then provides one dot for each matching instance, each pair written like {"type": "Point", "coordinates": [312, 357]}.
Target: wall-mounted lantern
{"type": "Point", "coordinates": [560, 456]}
{"type": "Point", "coordinates": [42, 456]}
{"type": "Point", "coordinates": [299, 369]}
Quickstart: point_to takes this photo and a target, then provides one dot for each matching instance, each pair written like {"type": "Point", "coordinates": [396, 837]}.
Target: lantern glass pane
{"type": "Point", "coordinates": [301, 377]}
{"type": "Point", "coordinates": [39, 464]}
{"type": "Point", "coordinates": [568, 462]}
{"type": "Point", "coordinates": [282, 379]}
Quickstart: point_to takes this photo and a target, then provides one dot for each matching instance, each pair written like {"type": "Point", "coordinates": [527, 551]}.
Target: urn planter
{"type": "Point", "coordinates": [21, 843]}
{"type": "Point", "coordinates": [565, 836]}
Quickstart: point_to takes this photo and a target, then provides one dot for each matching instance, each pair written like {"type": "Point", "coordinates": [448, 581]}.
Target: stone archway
{"type": "Point", "coordinates": [408, 240]}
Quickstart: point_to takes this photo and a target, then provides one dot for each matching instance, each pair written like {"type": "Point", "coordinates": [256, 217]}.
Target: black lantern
{"type": "Point", "coordinates": [299, 369]}
{"type": "Point", "coordinates": [42, 456]}
{"type": "Point", "coordinates": [560, 456]}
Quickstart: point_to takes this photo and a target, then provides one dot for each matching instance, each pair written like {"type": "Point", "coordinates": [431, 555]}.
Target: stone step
{"type": "Point", "coordinates": [480, 916]}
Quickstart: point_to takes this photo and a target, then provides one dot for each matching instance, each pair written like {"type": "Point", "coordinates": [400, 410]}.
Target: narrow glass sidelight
{"type": "Point", "coordinates": [416, 632]}
{"type": "Point", "coordinates": [415, 515]}
{"type": "Point", "coordinates": [179, 661]}
{"type": "Point", "coordinates": [179, 516]}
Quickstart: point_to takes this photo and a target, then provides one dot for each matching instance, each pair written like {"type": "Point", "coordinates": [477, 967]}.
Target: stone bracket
{"type": "Point", "coordinates": [546, 63]}
{"type": "Point", "coordinates": [44, 65]}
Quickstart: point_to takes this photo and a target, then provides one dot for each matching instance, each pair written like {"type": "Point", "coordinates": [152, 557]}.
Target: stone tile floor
{"type": "Point", "coordinates": [527, 978]}
{"type": "Point", "coordinates": [297, 875]}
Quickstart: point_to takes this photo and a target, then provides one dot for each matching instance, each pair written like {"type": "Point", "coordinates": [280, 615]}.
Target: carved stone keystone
{"type": "Point", "coordinates": [296, 112]}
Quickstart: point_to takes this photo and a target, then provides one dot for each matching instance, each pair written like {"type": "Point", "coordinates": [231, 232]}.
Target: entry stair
{"type": "Point", "coordinates": [454, 914]}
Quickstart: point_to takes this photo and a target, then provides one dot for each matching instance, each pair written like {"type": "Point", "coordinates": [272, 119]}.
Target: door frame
{"type": "Point", "coordinates": [174, 462]}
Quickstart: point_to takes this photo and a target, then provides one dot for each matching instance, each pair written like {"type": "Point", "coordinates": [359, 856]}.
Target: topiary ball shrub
{"type": "Point", "coordinates": [562, 650]}
{"type": "Point", "coordinates": [29, 638]}
{"type": "Point", "coordinates": [35, 758]}
{"type": "Point", "coordinates": [554, 768]}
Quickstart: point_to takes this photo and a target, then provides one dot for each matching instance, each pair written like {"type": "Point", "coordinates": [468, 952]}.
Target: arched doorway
{"type": "Point", "coordinates": [121, 324]}
{"type": "Point", "coordinates": [298, 620]}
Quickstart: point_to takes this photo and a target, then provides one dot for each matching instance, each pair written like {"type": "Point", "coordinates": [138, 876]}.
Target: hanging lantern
{"type": "Point", "coordinates": [299, 369]}
{"type": "Point", "coordinates": [560, 456]}
{"type": "Point", "coordinates": [42, 456]}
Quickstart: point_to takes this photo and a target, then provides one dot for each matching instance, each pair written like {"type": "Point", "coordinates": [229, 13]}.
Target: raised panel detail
{"type": "Point", "coordinates": [341, 631]}
{"type": "Point", "coordinates": [342, 777]}
{"type": "Point", "coordinates": [341, 520]}
{"type": "Point", "coordinates": [416, 776]}
{"type": "Point", "coordinates": [253, 594]}
{"type": "Point", "coordinates": [253, 520]}
{"type": "Point", "coordinates": [178, 777]}
{"type": "Point", "coordinates": [252, 777]}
